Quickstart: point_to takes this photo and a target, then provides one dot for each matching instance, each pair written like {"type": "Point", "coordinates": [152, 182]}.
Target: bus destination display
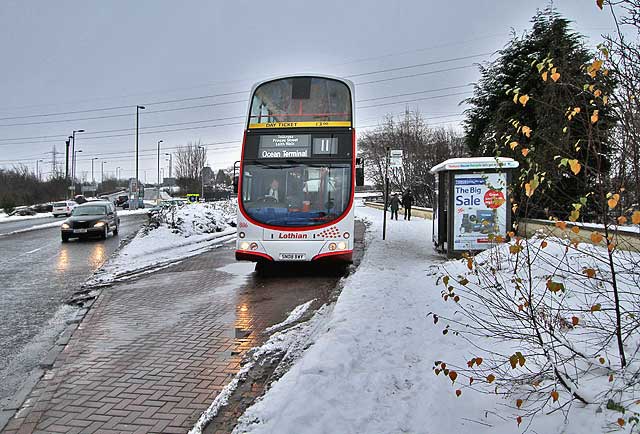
{"type": "Point", "coordinates": [285, 146]}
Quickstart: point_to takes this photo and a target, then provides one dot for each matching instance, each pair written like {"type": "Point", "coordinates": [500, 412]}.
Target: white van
{"type": "Point", "coordinates": [63, 208]}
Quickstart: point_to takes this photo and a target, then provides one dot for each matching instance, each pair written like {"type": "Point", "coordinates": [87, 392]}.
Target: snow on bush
{"type": "Point", "coordinates": [173, 233]}
{"type": "Point", "coordinates": [195, 219]}
{"type": "Point", "coordinates": [542, 319]}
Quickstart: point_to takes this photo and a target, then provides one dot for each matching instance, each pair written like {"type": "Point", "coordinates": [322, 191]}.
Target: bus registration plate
{"type": "Point", "coordinates": [293, 256]}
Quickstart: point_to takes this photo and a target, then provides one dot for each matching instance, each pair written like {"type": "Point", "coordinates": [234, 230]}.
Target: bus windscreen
{"type": "Point", "coordinates": [301, 102]}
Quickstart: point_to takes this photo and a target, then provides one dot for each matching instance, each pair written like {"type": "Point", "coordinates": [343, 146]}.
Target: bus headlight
{"type": "Point", "coordinates": [241, 234]}
{"type": "Point", "coordinates": [244, 245]}
{"type": "Point", "coordinates": [342, 245]}
{"type": "Point", "coordinates": [346, 235]}
{"type": "Point", "coordinates": [254, 246]}
{"type": "Point", "coordinates": [332, 246]}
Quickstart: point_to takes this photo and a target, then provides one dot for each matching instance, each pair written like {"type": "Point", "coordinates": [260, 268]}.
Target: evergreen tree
{"type": "Point", "coordinates": [497, 115]}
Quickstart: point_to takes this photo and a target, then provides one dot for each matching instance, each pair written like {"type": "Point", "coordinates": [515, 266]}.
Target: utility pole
{"type": "Point", "coordinates": [137, 198]}
{"type": "Point", "coordinates": [386, 193]}
{"type": "Point", "coordinates": [170, 161]}
{"type": "Point", "coordinates": [158, 197]}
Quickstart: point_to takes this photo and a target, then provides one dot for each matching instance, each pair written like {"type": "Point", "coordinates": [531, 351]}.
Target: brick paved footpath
{"type": "Point", "coordinates": [153, 353]}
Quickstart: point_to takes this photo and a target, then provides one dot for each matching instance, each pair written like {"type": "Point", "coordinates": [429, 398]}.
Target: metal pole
{"type": "Point", "coordinates": [102, 172]}
{"type": "Point", "coordinates": [37, 171]}
{"type": "Point", "coordinates": [66, 167]}
{"type": "Point", "coordinates": [202, 175]}
{"type": "Point", "coordinates": [158, 197]}
{"type": "Point", "coordinates": [93, 179]}
{"type": "Point", "coordinates": [170, 161]}
{"type": "Point", "coordinates": [386, 194]}
{"type": "Point", "coordinates": [135, 204]}
{"type": "Point", "coordinates": [73, 158]}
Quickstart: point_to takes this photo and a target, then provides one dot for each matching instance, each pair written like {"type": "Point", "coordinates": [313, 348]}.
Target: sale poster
{"type": "Point", "coordinates": [480, 209]}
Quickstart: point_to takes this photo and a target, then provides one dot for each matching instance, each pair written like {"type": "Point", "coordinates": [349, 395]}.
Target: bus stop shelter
{"type": "Point", "coordinates": [472, 203]}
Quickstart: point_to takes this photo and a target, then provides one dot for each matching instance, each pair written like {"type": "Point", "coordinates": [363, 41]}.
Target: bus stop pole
{"type": "Point", "coordinates": [386, 194]}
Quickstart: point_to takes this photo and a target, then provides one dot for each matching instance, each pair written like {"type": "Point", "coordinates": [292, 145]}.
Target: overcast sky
{"type": "Point", "coordinates": [68, 56]}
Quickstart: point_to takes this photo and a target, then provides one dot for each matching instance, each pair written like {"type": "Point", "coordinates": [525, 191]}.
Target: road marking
{"type": "Point", "coordinates": [33, 251]}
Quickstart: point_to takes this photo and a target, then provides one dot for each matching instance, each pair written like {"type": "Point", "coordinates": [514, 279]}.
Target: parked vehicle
{"type": "Point", "coordinates": [96, 218]}
{"type": "Point", "coordinates": [63, 208]}
{"type": "Point", "coordinates": [80, 199]}
{"type": "Point", "coordinates": [127, 204]}
{"type": "Point", "coordinates": [22, 211]}
{"type": "Point", "coordinates": [121, 200]}
{"type": "Point", "coordinates": [42, 207]}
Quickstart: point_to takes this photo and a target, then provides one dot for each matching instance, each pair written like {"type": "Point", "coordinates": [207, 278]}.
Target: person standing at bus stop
{"type": "Point", "coordinates": [407, 202]}
{"type": "Point", "coordinates": [394, 205]}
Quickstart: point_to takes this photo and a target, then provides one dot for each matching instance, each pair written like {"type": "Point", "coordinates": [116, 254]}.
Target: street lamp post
{"type": "Point", "coordinates": [66, 167]}
{"type": "Point", "coordinates": [117, 173]}
{"type": "Point", "coordinates": [93, 179]}
{"type": "Point", "coordinates": [135, 202]}
{"type": "Point", "coordinates": [38, 169]}
{"type": "Point", "coordinates": [170, 161]}
{"type": "Point", "coordinates": [202, 175]}
{"type": "Point", "coordinates": [75, 157]}
{"type": "Point", "coordinates": [158, 197]}
{"type": "Point", "coordinates": [102, 172]}
{"type": "Point", "coordinates": [73, 153]}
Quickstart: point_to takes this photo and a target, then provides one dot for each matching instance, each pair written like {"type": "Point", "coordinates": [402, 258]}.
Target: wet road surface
{"type": "Point", "coordinates": [154, 352]}
{"type": "Point", "coordinates": [37, 274]}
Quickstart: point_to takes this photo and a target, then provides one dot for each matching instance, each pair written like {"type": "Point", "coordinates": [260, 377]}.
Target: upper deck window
{"type": "Point", "coordinates": [301, 102]}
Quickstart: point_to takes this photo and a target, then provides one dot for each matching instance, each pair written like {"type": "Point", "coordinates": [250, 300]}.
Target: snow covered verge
{"type": "Point", "coordinates": [402, 350]}
{"type": "Point", "coordinates": [172, 234]}
{"type": "Point", "coordinates": [4, 218]}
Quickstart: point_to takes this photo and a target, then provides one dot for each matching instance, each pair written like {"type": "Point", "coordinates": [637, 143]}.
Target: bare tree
{"type": "Point", "coordinates": [189, 162]}
{"type": "Point", "coordinates": [423, 147]}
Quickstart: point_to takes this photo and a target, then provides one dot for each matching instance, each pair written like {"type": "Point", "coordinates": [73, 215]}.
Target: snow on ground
{"type": "Point", "coordinates": [35, 228]}
{"type": "Point", "coordinates": [15, 218]}
{"type": "Point", "coordinates": [177, 232]}
{"type": "Point", "coordinates": [370, 369]}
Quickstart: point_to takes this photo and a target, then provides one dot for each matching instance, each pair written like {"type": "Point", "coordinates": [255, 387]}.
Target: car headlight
{"type": "Point", "coordinates": [99, 225]}
{"type": "Point", "coordinates": [65, 226]}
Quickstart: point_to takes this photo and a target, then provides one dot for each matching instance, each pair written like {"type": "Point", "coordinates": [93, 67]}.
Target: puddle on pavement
{"type": "Point", "coordinates": [239, 268]}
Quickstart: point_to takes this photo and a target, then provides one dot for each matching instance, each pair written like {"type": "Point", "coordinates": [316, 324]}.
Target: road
{"type": "Point", "coordinates": [37, 274]}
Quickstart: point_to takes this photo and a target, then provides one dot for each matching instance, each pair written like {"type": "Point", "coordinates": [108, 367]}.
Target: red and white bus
{"type": "Point", "coordinates": [297, 171]}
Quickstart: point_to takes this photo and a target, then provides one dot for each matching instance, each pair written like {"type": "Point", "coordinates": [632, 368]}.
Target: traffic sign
{"type": "Point", "coordinates": [395, 158]}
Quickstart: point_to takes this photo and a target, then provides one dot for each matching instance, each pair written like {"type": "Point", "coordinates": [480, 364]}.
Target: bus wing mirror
{"type": "Point", "coordinates": [359, 172]}
{"type": "Point", "coordinates": [236, 176]}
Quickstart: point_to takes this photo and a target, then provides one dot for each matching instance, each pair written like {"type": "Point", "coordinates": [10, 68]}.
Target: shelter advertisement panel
{"type": "Point", "coordinates": [480, 209]}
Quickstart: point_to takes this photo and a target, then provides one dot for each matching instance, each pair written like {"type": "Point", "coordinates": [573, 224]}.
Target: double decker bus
{"type": "Point", "coordinates": [297, 171]}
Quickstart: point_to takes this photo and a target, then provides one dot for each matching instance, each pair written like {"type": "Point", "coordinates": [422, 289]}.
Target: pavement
{"type": "Point", "coordinates": [38, 273]}
{"type": "Point", "coordinates": [153, 353]}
